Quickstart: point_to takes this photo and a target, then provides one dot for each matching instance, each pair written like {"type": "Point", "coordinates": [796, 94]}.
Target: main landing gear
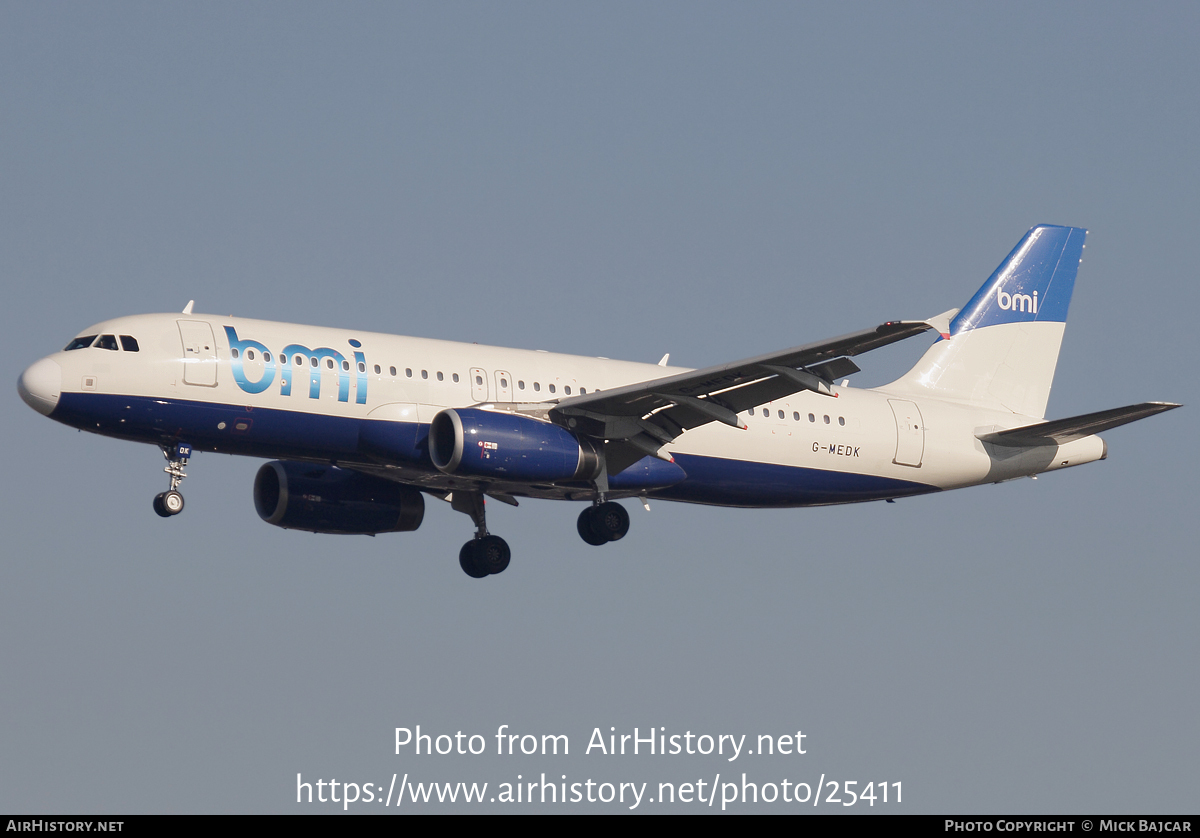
{"type": "Point", "coordinates": [170, 502]}
{"type": "Point", "coordinates": [604, 522]}
{"type": "Point", "coordinates": [485, 554]}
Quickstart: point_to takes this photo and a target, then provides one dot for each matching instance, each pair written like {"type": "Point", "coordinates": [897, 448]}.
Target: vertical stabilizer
{"type": "Point", "coordinates": [1002, 348]}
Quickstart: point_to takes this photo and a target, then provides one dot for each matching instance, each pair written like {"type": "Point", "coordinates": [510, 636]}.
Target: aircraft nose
{"type": "Point", "coordinates": [40, 385]}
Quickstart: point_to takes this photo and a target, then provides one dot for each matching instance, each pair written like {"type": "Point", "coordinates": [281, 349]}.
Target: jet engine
{"type": "Point", "coordinates": [317, 498]}
{"type": "Point", "coordinates": [508, 446]}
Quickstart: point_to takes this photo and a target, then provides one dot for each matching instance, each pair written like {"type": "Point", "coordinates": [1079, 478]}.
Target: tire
{"type": "Point", "coordinates": [587, 529]}
{"type": "Point", "coordinates": [492, 554]}
{"type": "Point", "coordinates": [159, 509]}
{"type": "Point", "coordinates": [172, 502]}
{"type": "Point", "coordinates": [468, 560]}
{"type": "Point", "coordinates": [610, 520]}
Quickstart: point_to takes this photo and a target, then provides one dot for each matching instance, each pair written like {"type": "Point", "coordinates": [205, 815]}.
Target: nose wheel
{"type": "Point", "coordinates": [167, 504]}
{"type": "Point", "coordinates": [603, 523]}
{"type": "Point", "coordinates": [170, 502]}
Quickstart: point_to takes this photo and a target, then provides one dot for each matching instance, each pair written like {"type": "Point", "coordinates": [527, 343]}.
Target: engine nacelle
{"type": "Point", "coordinates": [508, 446]}
{"type": "Point", "coordinates": [316, 498]}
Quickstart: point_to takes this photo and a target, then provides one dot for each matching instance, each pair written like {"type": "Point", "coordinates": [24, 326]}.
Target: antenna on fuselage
{"type": "Point", "coordinates": [187, 309]}
{"type": "Point", "coordinates": [663, 362]}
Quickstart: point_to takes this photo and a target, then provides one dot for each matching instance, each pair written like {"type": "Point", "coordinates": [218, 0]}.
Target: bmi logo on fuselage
{"type": "Point", "coordinates": [294, 357]}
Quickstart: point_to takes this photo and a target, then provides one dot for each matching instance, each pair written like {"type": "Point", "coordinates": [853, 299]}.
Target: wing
{"type": "Point", "coordinates": [639, 419]}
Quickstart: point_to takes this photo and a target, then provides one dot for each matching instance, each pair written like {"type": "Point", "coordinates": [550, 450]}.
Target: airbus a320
{"type": "Point", "coordinates": [360, 427]}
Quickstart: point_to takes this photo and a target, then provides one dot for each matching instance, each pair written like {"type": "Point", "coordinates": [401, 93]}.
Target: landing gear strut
{"type": "Point", "coordinates": [602, 523]}
{"type": "Point", "coordinates": [485, 554]}
{"type": "Point", "coordinates": [170, 502]}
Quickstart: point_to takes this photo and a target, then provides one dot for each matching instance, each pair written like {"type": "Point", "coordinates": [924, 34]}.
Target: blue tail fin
{"type": "Point", "coordinates": [1002, 347]}
{"type": "Point", "coordinates": [1033, 284]}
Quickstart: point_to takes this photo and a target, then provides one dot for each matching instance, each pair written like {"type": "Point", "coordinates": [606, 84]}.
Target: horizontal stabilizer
{"type": "Point", "coordinates": [1075, 427]}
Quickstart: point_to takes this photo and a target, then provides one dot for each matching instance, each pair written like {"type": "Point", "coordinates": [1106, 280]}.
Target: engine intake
{"type": "Point", "coordinates": [302, 496]}
{"type": "Point", "coordinates": [508, 446]}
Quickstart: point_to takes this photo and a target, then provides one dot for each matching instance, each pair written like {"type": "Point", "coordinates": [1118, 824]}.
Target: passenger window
{"type": "Point", "coordinates": [378, 370]}
{"type": "Point", "coordinates": [796, 416]}
{"type": "Point", "coordinates": [781, 414]}
{"type": "Point", "coordinates": [536, 387]}
{"type": "Point", "coordinates": [520, 385]}
{"type": "Point", "coordinates": [440, 376]}
{"type": "Point", "coordinates": [841, 420]}
{"type": "Point", "coordinates": [107, 342]}
{"type": "Point", "coordinates": [392, 370]}
{"type": "Point", "coordinates": [812, 418]}
{"type": "Point", "coordinates": [249, 354]}
{"type": "Point", "coordinates": [363, 367]}
{"type": "Point", "coordinates": [582, 391]}
{"type": "Point", "coordinates": [424, 373]}
{"type": "Point", "coordinates": [345, 366]}
{"type": "Point", "coordinates": [455, 377]}
{"type": "Point", "coordinates": [408, 372]}
{"type": "Point", "coordinates": [267, 357]}
{"type": "Point", "coordinates": [552, 390]}
{"type": "Point", "coordinates": [130, 344]}
{"type": "Point", "coordinates": [567, 390]}
{"type": "Point", "coordinates": [329, 363]}
{"type": "Point", "coordinates": [232, 352]}
{"type": "Point", "coordinates": [314, 362]}
{"type": "Point", "coordinates": [826, 420]}
{"type": "Point", "coordinates": [80, 343]}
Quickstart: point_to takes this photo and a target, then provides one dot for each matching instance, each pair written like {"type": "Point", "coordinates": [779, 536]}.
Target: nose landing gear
{"type": "Point", "coordinates": [170, 502]}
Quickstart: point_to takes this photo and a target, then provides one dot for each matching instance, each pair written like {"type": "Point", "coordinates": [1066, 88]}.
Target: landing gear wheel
{"type": "Point", "coordinates": [167, 504]}
{"type": "Point", "coordinates": [587, 528]}
{"type": "Point", "coordinates": [492, 554]}
{"type": "Point", "coordinates": [610, 520]}
{"type": "Point", "coordinates": [469, 560]}
{"type": "Point", "coordinates": [172, 502]}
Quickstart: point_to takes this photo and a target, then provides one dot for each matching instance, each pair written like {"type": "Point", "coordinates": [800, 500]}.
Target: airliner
{"type": "Point", "coordinates": [360, 427]}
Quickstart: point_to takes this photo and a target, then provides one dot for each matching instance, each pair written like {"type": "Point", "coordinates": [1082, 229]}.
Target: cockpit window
{"type": "Point", "coordinates": [80, 343]}
{"type": "Point", "coordinates": [107, 342]}
{"type": "Point", "coordinates": [129, 343]}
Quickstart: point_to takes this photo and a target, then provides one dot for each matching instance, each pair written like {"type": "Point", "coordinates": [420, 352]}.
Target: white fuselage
{"type": "Point", "coordinates": [219, 383]}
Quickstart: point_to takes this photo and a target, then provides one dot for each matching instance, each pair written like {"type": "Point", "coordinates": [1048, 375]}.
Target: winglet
{"type": "Point", "coordinates": [187, 309]}
{"type": "Point", "coordinates": [941, 322]}
{"type": "Point", "coordinates": [663, 362]}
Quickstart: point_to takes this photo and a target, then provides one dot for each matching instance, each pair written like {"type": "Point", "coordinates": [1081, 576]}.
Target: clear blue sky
{"type": "Point", "coordinates": [622, 179]}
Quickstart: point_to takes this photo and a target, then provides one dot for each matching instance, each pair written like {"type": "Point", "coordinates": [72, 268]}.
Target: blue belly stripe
{"type": "Point", "coordinates": [284, 434]}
